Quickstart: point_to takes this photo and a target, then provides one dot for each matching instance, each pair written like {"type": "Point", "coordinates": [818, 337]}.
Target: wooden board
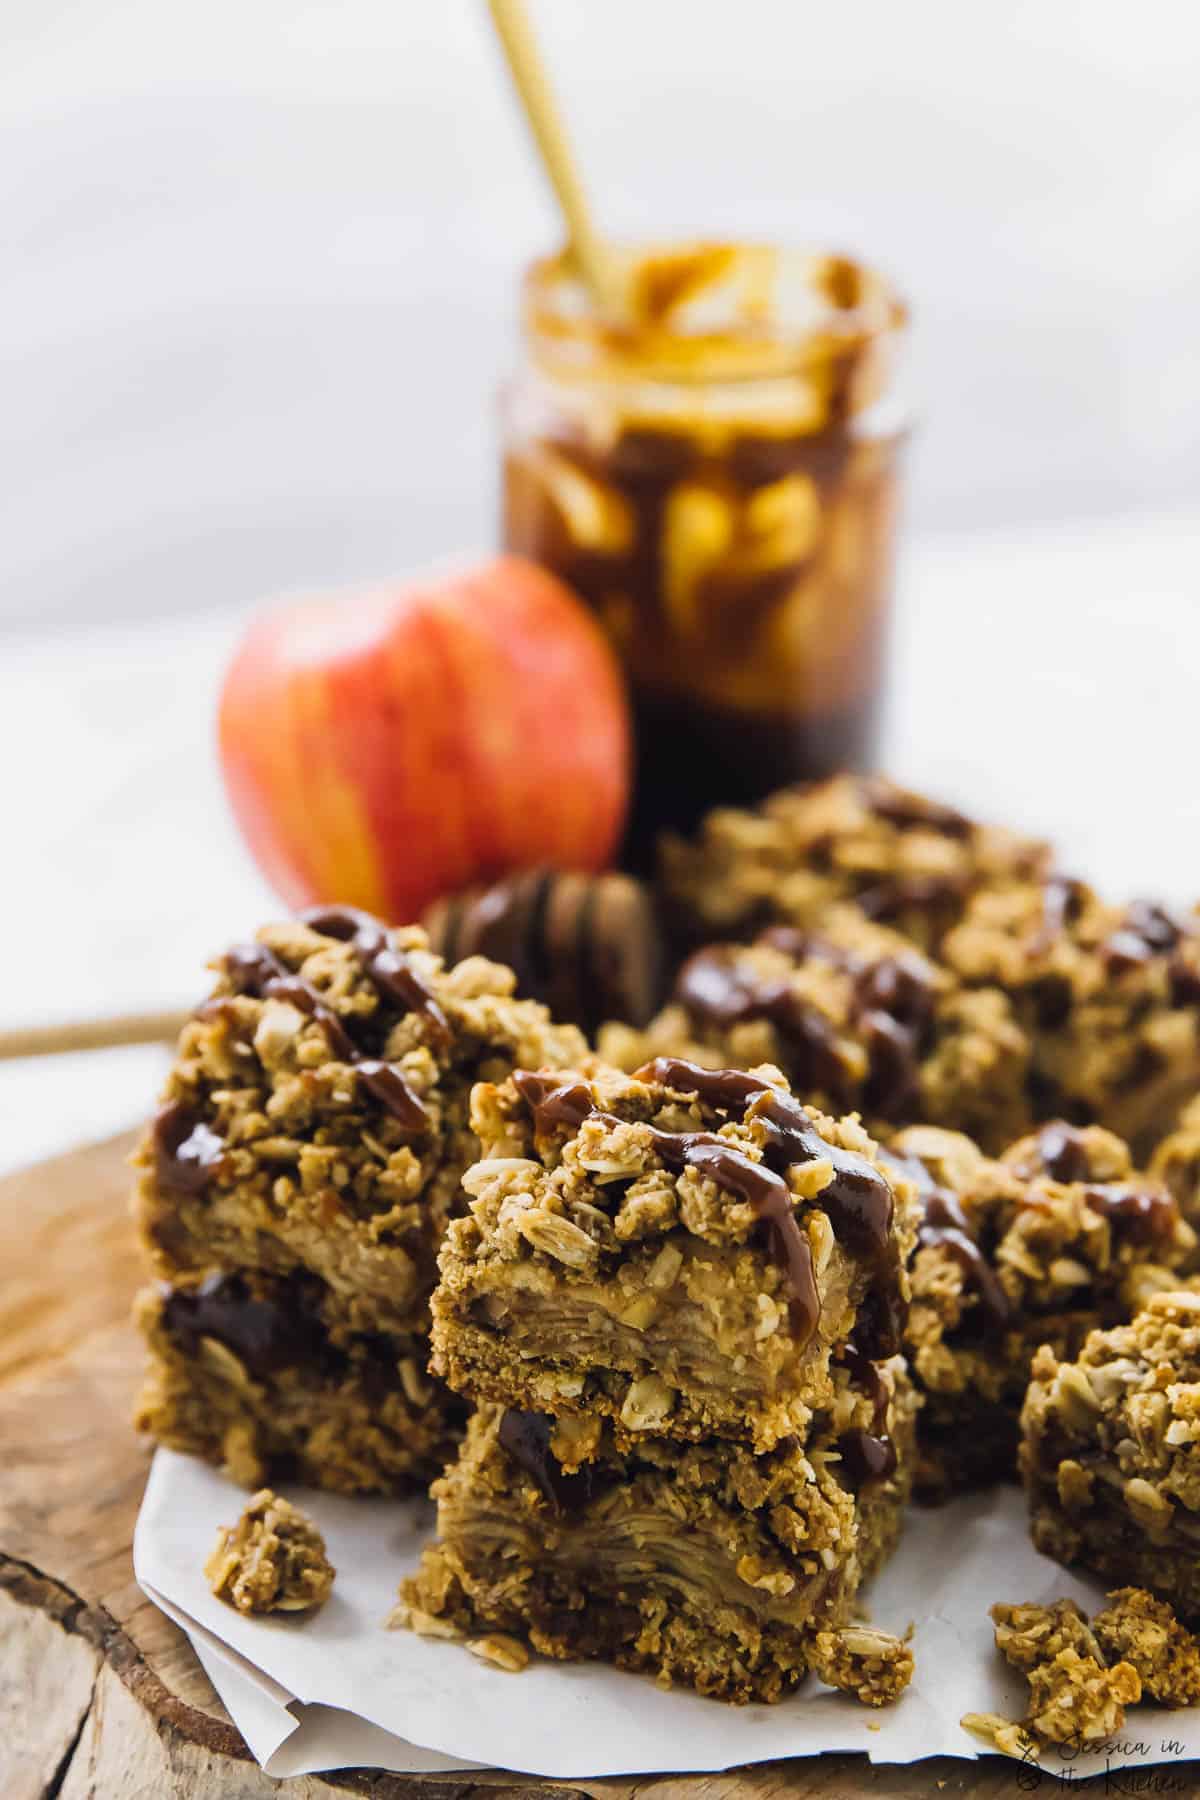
{"type": "Point", "coordinates": [100, 1694]}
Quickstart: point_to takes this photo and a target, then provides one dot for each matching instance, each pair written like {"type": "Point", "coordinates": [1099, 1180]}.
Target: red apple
{"type": "Point", "coordinates": [386, 747]}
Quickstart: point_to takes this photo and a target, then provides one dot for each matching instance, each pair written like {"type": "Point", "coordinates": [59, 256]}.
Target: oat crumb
{"type": "Point", "coordinates": [1080, 1681]}
{"type": "Point", "coordinates": [503, 1652]}
{"type": "Point", "coordinates": [873, 1666]}
{"type": "Point", "coordinates": [272, 1560]}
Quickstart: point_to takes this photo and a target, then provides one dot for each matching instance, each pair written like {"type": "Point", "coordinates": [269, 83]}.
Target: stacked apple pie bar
{"type": "Point", "coordinates": [677, 1299]}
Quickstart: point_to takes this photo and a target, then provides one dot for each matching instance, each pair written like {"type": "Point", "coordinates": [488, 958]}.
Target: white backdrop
{"type": "Point", "coordinates": [257, 257]}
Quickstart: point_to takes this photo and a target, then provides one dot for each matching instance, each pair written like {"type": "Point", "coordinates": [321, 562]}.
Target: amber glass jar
{"type": "Point", "coordinates": [715, 471]}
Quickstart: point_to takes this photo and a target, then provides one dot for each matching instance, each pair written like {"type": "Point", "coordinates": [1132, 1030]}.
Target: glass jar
{"type": "Point", "coordinates": [716, 474]}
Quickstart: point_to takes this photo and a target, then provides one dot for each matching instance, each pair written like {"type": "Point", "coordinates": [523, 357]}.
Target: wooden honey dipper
{"type": "Point", "coordinates": [588, 946]}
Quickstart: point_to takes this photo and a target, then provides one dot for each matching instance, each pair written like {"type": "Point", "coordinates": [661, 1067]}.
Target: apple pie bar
{"type": "Point", "coordinates": [857, 1017]}
{"type": "Point", "coordinates": [684, 1252]}
{"type": "Point", "coordinates": [1057, 1236]}
{"type": "Point", "coordinates": [1104, 997]}
{"type": "Point", "coordinates": [1110, 1452]}
{"type": "Point", "coordinates": [295, 1185]}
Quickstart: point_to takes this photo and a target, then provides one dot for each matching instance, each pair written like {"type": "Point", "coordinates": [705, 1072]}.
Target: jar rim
{"type": "Point", "coordinates": [709, 310]}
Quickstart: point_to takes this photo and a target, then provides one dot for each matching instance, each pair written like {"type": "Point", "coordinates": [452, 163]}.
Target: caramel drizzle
{"type": "Point", "coordinates": [857, 1201]}
{"type": "Point", "coordinates": [769, 1196]}
{"type": "Point", "coordinates": [945, 1226]}
{"type": "Point", "coordinates": [1062, 1149]}
{"type": "Point", "coordinates": [552, 1102]}
{"type": "Point", "coordinates": [263, 1333]}
{"type": "Point", "coordinates": [714, 987]}
{"type": "Point", "coordinates": [913, 812]}
{"type": "Point", "coordinates": [525, 1436]}
{"type": "Point", "coordinates": [257, 970]}
{"type": "Point", "coordinates": [188, 1153]}
{"type": "Point", "coordinates": [933, 894]}
{"type": "Point", "coordinates": [1142, 1212]}
{"type": "Point", "coordinates": [389, 971]}
{"type": "Point", "coordinates": [868, 1454]}
{"type": "Point", "coordinates": [891, 1008]}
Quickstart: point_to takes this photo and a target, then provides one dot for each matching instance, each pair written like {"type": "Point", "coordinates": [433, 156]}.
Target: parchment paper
{"type": "Point", "coordinates": [333, 1689]}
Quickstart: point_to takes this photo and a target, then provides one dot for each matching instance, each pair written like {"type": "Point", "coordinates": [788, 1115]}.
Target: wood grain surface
{"type": "Point", "coordinates": [100, 1694]}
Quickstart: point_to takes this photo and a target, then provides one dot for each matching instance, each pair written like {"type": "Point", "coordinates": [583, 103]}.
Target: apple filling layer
{"type": "Point", "coordinates": [648, 1357]}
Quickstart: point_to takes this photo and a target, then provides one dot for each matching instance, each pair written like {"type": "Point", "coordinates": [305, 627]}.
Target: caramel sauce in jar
{"type": "Point", "coordinates": [716, 473]}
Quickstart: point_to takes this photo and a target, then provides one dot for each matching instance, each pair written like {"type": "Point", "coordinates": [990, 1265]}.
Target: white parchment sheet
{"type": "Point", "coordinates": [336, 1689]}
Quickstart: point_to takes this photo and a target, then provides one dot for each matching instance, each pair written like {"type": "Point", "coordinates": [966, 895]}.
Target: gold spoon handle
{"type": "Point", "coordinates": [91, 1034]}
{"type": "Point", "coordinates": [549, 134]}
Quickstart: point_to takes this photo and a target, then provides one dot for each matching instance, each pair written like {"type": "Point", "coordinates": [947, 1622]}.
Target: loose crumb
{"type": "Point", "coordinates": [1076, 1700]}
{"type": "Point", "coordinates": [1080, 1680]}
{"type": "Point", "coordinates": [272, 1560]}
{"type": "Point", "coordinates": [873, 1666]}
{"type": "Point", "coordinates": [1000, 1734]}
{"type": "Point", "coordinates": [1029, 1635]}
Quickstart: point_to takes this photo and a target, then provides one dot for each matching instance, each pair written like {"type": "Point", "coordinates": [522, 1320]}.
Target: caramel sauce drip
{"type": "Point", "coordinates": [187, 1152]}
{"type": "Point", "coordinates": [940, 896]}
{"type": "Point", "coordinates": [909, 812]}
{"type": "Point", "coordinates": [1063, 1151]}
{"type": "Point", "coordinates": [864, 1374]}
{"type": "Point", "coordinates": [384, 1081]}
{"type": "Point", "coordinates": [553, 1103]}
{"type": "Point", "coordinates": [891, 1008]}
{"type": "Point", "coordinates": [868, 1453]}
{"type": "Point", "coordinates": [262, 1334]}
{"type": "Point", "coordinates": [857, 1201]}
{"type": "Point", "coordinates": [525, 1436]}
{"type": "Point", "coordinates": [859, 1205]}
{"type": "Point", "coordinates": [716, 989]}
{"type": "Point", "coordinates": [895, 1000]}
{"type": "Point", "coordinates": [865, 1456]}
{"type": "Point", "coordinates": [726, 1090]}
{"type": "Point", "coordinates": [714, 1156]}
{"type": "Point", "coordinates": [1143, 1213]}
{"type": "Point", "coordinates": [764, 1191]}
{"type": "Point", "coordinates": [1184, 972]}
{"type": "Point", "coordinates": [945, 1225]}
{"type": "Point", "coordinates": [389, 971]}
{"type": "Point", "coordinates": [256, 970]}
{"type": "Point", "coordinates": [1149, 930]}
